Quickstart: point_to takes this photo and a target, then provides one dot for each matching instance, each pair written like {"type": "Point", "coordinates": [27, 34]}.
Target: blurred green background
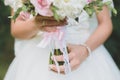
{"type": "Point", "coordinates": [7, 41]}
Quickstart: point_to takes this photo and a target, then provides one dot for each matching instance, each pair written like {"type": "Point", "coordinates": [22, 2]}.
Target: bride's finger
{"type": "Point", "coordinates": [69, 46]}
{"type": "Point", "coordinates": [53, 23]}
{"type": "Point", "coordinates": [70, 56]}
{"type": "Point", "coordinates": [58, 58]}
{"type": "Point", "coordinates": [74, 64]}
{"type": "Point", "coordinates": [39, 17]}
{"type": "Point", "coordinates": [49, 29]}
{"type": "Point", "coordinates": [54, 68]}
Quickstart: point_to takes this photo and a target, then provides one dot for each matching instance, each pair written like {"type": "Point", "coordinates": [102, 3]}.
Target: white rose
{"type": "Point", "coordinates": [15, 4]}
{"type": "Point", "coordinates": [69, 8]}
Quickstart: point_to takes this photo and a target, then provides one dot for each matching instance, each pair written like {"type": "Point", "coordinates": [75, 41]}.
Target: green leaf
{"type": "Point", "coordinates": [56, 16]}
{"type": "Point", "coordinates": [114, 11]}
{"type": "Point", "coordinates": [108, 3]}
{"type": "Point", "coordinates": [100, 4]}
{"type": "Point", "coordinates": [54, 10]}
{"type": "Point", "coordinates": [24, 8]}
{"type": "Point", "coordinates": [17, 13]}
{"type": "Point", "coordinates": [99, 8]}
{"type": "Point", "coordinates": [90, 12]}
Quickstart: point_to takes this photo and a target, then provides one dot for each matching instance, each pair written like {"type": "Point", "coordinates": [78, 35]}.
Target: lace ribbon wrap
{"type": "Point", "coordinates": [56, 39]}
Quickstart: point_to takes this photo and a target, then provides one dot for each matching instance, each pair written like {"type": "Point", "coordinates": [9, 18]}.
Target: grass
{"type": "Point", "coordinates": [112, 43]}
{"type": "Point", "coordinates": [5, 60]}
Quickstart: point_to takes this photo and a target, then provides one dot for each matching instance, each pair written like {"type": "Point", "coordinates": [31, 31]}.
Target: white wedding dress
{"type": "Point", "coordinates": [31, 62]}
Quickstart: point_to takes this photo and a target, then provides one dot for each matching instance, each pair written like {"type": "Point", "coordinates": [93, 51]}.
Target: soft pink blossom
{"type": "Point", "coordinates": [42, 7]}
{"type": "Point", "coordinates": [25, 15]}
{"type": "Point", "coordinates": [89, 1]}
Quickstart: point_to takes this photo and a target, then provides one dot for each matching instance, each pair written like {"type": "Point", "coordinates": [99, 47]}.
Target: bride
{"type": "Point", "coordinates": [32, 62]}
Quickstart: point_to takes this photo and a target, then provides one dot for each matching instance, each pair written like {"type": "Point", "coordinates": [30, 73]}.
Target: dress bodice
{"type": "Point", "coordinates": [77, 32]}
{"type": "Point", "coordinates": [85, 22]}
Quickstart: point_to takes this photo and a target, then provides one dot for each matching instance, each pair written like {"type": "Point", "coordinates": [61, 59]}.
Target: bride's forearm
{"type": "Point", "coordinates": [99, 37]}
{"type": "Point", "coordinates": [23, 29]}
{"type": "Point", "coordinates": [102, 32]}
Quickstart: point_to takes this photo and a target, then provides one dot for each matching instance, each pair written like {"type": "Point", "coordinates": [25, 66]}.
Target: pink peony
{"type": "Point", "coordinates": [42, 7]}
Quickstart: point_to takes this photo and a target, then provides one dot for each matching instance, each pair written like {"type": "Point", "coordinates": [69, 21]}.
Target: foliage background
{"type": "Point", "coordinates": [7, 41]}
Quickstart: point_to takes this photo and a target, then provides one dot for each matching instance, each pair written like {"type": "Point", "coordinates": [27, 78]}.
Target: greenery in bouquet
{"type": "Point", "coordinates": [57, 52]}
{"type": "Point", "coordinates": [26, 7]}
{"type": "Point", "coordinates": [97, 5]}
{"type": "Point", "coordinates": [60, 9]}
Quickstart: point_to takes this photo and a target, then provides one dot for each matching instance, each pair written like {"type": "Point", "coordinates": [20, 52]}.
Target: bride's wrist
{"type": "Point", "coordinates": [87, 48]}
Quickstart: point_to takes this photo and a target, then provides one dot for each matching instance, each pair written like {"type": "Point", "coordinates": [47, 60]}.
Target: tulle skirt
{"type": "Point", "coordinates": [31, 63]}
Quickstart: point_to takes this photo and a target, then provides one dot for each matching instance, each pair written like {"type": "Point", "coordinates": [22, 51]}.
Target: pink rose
{"type": "Point", "coordinates": [42, 7]}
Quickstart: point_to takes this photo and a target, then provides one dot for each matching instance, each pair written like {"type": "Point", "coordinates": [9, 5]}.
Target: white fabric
{"type": "Point", "coordinates": [31, 62]}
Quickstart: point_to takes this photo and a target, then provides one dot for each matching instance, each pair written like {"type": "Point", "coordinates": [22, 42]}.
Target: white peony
{"type": "Point", "coordinates": [15, 4]}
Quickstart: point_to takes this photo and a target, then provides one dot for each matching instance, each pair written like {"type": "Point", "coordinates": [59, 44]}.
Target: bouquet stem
{"type": "Point", "coordinates": [57, 52]}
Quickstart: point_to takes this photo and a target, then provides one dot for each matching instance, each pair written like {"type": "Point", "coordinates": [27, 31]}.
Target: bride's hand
{"type": "Point", "coordinates": [25, 27]}
{"type": "Point", "coordinates": [49, 23]}
{"type": "Point", "coordinates": [77, 54]}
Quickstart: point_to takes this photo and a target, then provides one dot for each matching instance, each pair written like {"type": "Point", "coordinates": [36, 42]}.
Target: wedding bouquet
{"type": "Point", "coordinates": [59, 9]}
